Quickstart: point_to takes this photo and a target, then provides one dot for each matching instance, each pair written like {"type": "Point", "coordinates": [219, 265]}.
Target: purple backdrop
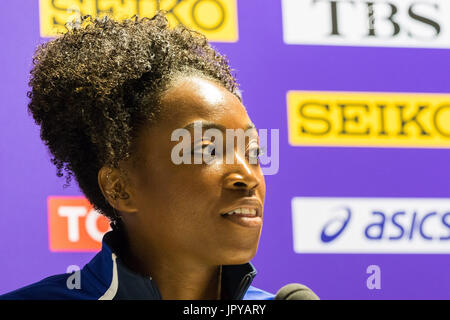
{"type": "Point", "coordinates": [266, 69]}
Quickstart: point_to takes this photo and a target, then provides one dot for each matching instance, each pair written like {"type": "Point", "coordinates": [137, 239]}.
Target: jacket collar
{"type": "Point", "coordinates": [236, 279]}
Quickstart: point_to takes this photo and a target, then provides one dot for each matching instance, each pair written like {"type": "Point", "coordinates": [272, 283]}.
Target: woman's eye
{"type": "Point", "coordinates": [210, 149]}
{"type": "Point", "coordinates": [255, 153]}
{"type": "Point", "coordinates": [205, 149]}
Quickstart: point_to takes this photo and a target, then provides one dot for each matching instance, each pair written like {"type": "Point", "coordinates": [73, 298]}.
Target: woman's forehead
{"type": "Point", "coordinates": [195, 97]}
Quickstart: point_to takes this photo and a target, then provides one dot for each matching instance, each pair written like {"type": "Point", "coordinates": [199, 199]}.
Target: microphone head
{"type": "Point", "coordinates": [295, 291]}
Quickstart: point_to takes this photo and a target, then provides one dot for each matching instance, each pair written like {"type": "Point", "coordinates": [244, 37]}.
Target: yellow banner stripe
{"type": "Point", "coordinates": [372, 119]}
{"type": "Point", "coordinates": [216, 19]}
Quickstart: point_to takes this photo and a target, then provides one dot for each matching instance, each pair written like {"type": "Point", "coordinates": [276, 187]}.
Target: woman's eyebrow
{"type": "Point", "coordinates": [213, 125]}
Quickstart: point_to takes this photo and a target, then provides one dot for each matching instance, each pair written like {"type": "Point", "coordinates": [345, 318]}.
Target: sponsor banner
{"type": "Point", "coordinates": [74, 225]}
{"type": "Point", "coordinates": [368, 119]}
{"type": "Point", "coordinates": [389, 23]}
{"type": "Point", "coordinates": [371, 225]}
{"type": "Point", "coordinates": [216, 19]}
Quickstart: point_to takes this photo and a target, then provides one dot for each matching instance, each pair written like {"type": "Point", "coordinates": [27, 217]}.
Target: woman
{"type": "Point", "coordinates": [108, 96]}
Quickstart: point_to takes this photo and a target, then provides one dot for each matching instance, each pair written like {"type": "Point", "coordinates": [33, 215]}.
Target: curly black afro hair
{"type": "Point", "coordinates": [96, 85]}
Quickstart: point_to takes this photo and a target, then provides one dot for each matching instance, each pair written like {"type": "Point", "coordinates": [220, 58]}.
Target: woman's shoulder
{"type": "Point", "coordinates": [65, 286]}
{"type": "Point", "coordinates": [54, 287]}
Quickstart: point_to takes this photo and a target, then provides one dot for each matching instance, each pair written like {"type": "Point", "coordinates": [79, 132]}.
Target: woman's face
{"type": "Point", "coordinates": [179, 208]}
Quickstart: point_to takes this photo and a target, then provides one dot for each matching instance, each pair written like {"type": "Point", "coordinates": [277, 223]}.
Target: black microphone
{"type": "Point", "coordinates": [295, 291]}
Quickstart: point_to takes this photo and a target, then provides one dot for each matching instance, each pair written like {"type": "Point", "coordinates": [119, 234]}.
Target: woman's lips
{"type": "Point", "coordinates": [246, 212]}
{"type": "Point", "coordinates": [249, 221]}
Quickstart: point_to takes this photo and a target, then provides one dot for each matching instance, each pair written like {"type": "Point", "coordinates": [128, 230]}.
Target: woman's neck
{"type": "Point", "coordinates": [177, 277]}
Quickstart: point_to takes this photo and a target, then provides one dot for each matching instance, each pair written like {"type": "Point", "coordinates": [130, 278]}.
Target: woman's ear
{"type": "Point", "coordinates": [116, 190]}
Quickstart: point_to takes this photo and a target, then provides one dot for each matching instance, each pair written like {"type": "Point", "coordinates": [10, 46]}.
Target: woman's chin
{"type": "Point", "coordinates": [239, 257]}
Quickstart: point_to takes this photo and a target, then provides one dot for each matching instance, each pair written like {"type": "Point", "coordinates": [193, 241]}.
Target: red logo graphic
{"type": "Point", "coordinates": [74, 224]}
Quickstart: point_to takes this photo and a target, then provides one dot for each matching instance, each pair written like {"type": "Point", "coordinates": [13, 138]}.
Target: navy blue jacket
{"type": "Point", "coordinates": [105, 277]}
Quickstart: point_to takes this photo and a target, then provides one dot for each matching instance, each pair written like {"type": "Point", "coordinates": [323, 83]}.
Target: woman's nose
{"type": "Point", "coordinates": [242, 176]}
